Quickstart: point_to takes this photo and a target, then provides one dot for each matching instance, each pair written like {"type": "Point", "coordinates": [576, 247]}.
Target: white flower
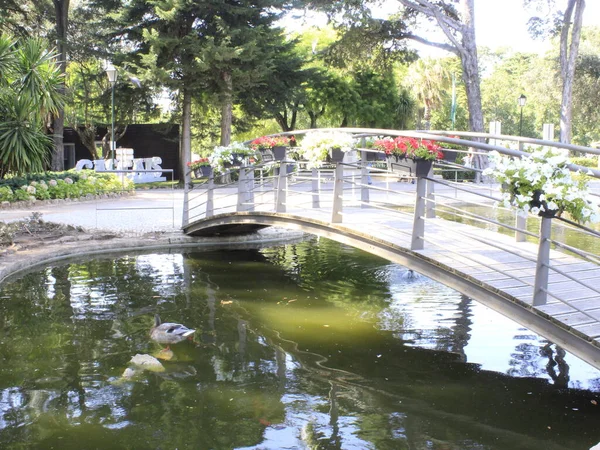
{"type": "Point", "coordinates": [545, 170]}
{"type": "Point", "coordinates": [30, 189]}
{"type": "Point", "coordinates": [68, 180]}
{"type": "Point", "coordinates": [52, 183]}
{"type": "Point", "coordinates": [316, 144]}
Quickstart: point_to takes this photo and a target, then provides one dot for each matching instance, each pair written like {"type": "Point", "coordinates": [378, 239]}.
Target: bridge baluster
{"type": "Point", "coordinates": [364, 178]}
{"type": "Point", "coordinates": [242, 190]}
{"type": "Point", "coordinates": [430, 194]}
{"type": "Point", "coordinates": [338, 194]}
{"type": "Point", "coordinates": [520, 224]}
{"type": "Point", "coordinates": [418, 232]}
{"type": "Point", "coordinates": [543, 261]}
{"type": "Point", "coordinates": [315, 188]}
{"type": "Point", "coordinates": [210, 194]}
{"type": "Point", "coordinates": [281, 188]}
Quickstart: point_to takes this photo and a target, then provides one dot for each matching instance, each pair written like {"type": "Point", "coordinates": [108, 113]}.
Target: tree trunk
{"type": "Point", "coordinates": [226, 110]}
{"type": "Point", "coordinates": [61, 8]}
{"type": "Point", "coordinates": [568, 56]}
{"type": "Point", "coordinates": [185, 149]}
{"type": "Point", "coordinates": [87, 135]}
{"type": "Point", "coordinates": [470, 65]}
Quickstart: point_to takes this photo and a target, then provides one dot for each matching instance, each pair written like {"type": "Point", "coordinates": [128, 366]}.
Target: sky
{"type": "Point", "coordinates": [503, 23]}
{"type": "Point", "coordinates": [498, 23]}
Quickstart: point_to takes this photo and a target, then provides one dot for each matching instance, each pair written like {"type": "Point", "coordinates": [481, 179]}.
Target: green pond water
{"type": "Point", "coordinates": [312, 345]}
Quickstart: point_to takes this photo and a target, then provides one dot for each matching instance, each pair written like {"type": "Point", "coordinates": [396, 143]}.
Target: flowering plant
{"type": "Point", "coordinates": [408, 147]}
{"type": "Point", "coordinates": [542, 182]}
{"type": "Point", "coordinates": [223, 156]}
{"type": "Point", "coordinates": [268, 142]}
{"type": "Point", "coordinates": [315, 145]}
{"type": "Point", "coordinates": [195, 165]}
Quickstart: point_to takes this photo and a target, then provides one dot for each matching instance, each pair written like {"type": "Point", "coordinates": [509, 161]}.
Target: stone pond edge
{"type": "Point", "coordinates": [21, 262]}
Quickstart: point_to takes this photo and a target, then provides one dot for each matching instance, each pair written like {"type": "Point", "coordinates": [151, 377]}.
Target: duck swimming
{"type": "Point", "coordinates": [169, 333]}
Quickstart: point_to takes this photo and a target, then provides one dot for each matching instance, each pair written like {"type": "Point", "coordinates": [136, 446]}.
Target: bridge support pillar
{"type": "Point", "coordinates": [430, 197]}
{"type": "Point", "coordinates": [242, 191]}
{"type": "Point", "coordinates": [520, 224]}
{"type": "Point", "coordinates": [338, 194]}
{"type": "Point", "coordinates": [186, 207]}
{"type": "Point", "coordinates": [210, 195]}
{"type": "Point", "coordinates": [281, 188]}
{"type": "Point", "coordinates": [315, 188]}
{"type": "Point", "coordinates": [540, 287]}
{"type": "Point", "coordinates": [418, 231]}
{"type": "Point", "coordinates": [250, 189]}
{"type": "Point", "coordinates": [364, 179]}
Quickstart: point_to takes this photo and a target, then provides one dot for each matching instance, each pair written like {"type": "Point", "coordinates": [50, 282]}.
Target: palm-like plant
{"type": "Point", "coordinates": [429, 80]}
{"type": "Point", "coordinates": [29, 92]}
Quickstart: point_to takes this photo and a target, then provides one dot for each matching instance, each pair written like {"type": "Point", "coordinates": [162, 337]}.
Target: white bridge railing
{"type": "Point", "coordinates": [273, 187]}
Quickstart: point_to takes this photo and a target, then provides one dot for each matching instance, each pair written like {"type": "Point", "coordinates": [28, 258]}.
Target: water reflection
{"type": "Point", "coordinates": [313, 345]}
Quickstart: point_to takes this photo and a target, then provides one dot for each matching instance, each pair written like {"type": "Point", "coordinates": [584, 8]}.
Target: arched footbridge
{"type": "Point", "coordinates": [541, 272]}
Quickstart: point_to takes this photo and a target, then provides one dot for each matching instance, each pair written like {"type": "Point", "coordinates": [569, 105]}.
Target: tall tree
{"type": "Point", "coordinates": [567, 25]}
{"type": "Point", "coordinates": [458, 25]}
{"type": "Point", "coordinates": [61, 9]}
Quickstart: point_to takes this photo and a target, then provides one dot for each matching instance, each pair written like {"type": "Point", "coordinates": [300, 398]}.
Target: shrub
{"type": "Point", "coordinates": [6, 194]}
{"type": "Point", "coordinates": [60, 185]}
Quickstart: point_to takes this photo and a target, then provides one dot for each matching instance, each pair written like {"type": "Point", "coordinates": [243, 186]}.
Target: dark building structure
{"type": "Point", "coordinates": [146, 140]}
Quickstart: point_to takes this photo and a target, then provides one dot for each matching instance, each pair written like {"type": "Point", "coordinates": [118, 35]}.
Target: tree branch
{"type": "Point", "coordinates": [445, 23]}
{"type": "Point", "coordinates": [447, 47]}
{"type": "Point", "coordinates": [431, 10]}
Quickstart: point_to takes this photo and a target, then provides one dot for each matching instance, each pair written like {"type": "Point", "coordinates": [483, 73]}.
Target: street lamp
{"type": "Point", "coordinates": [112, 74]}
{"type": "Point", "coordinates": [521, 101]}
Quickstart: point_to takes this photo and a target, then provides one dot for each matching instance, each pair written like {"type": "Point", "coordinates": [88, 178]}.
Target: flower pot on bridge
{"type": "Point", "coordinates": [336, 155]}
{"type": "Point", "coordinates": [203, 171]}
{"type": "Point", "coordinates": [237, 159]}
{"type": "Point", "coordinates": [376, 156]}
{"type": "Point", "coordinates": [449, 155]}
{"type": "Point", "coordinates": [276, 153]}
{"type": "Point", "coordinates": [414, 167]}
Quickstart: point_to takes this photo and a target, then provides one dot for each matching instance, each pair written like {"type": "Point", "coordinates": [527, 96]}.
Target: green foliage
{"type": "Point", "coordinates": [61, 185]}
{"type": "Point", "coordinates": [6, 194]}
{"type": "Point", "coordinates": [586, 161]}
{"type": "Point", "coordinates": [29, 92]}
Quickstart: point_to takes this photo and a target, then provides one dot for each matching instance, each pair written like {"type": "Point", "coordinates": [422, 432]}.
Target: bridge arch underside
{"type": "Point", "coordinates": [526, 315]}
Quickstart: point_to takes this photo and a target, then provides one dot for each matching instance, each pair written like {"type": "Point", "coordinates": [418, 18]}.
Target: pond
{"type": "Point", "coordinates": [312, 345]}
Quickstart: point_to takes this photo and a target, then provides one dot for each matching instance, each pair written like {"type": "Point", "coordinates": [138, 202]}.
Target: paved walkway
{"type": "Point", "coordinates": [143, 212]}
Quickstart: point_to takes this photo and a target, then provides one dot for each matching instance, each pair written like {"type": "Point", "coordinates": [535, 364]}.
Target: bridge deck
{"type": "Point", "coordinates": [479, 262]}
{"type": "Point", "coordinates": [494, 259]}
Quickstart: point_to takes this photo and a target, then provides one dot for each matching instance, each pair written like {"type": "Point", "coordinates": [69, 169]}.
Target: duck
{"type": "Point", "coordinates": [169, 333]}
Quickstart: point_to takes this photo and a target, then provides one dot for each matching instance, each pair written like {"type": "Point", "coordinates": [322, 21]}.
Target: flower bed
{"type": "Point", "coordinates": [64, 185]}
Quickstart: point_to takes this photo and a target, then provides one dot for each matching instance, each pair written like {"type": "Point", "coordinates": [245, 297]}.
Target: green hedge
{"type": "Point", "coordinates": [586, 161]}
{"type": "Point", "coordinates": [60, 185]}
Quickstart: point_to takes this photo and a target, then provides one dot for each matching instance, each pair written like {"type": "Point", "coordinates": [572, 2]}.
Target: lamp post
{"type": "Point", "coordinates": [112, 74]}
{"type": "Point", "coordinates": [521, 100]}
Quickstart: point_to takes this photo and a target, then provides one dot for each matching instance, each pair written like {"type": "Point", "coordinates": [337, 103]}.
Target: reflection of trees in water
{"type": "Point", "coordinates": [531, 360]}
{"type": "Point", "coordinates": [557, 368]}
{"type": "Point", "coordinates": [455, 338]}
{"type": "Point", "coordinates": [241, 374]}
